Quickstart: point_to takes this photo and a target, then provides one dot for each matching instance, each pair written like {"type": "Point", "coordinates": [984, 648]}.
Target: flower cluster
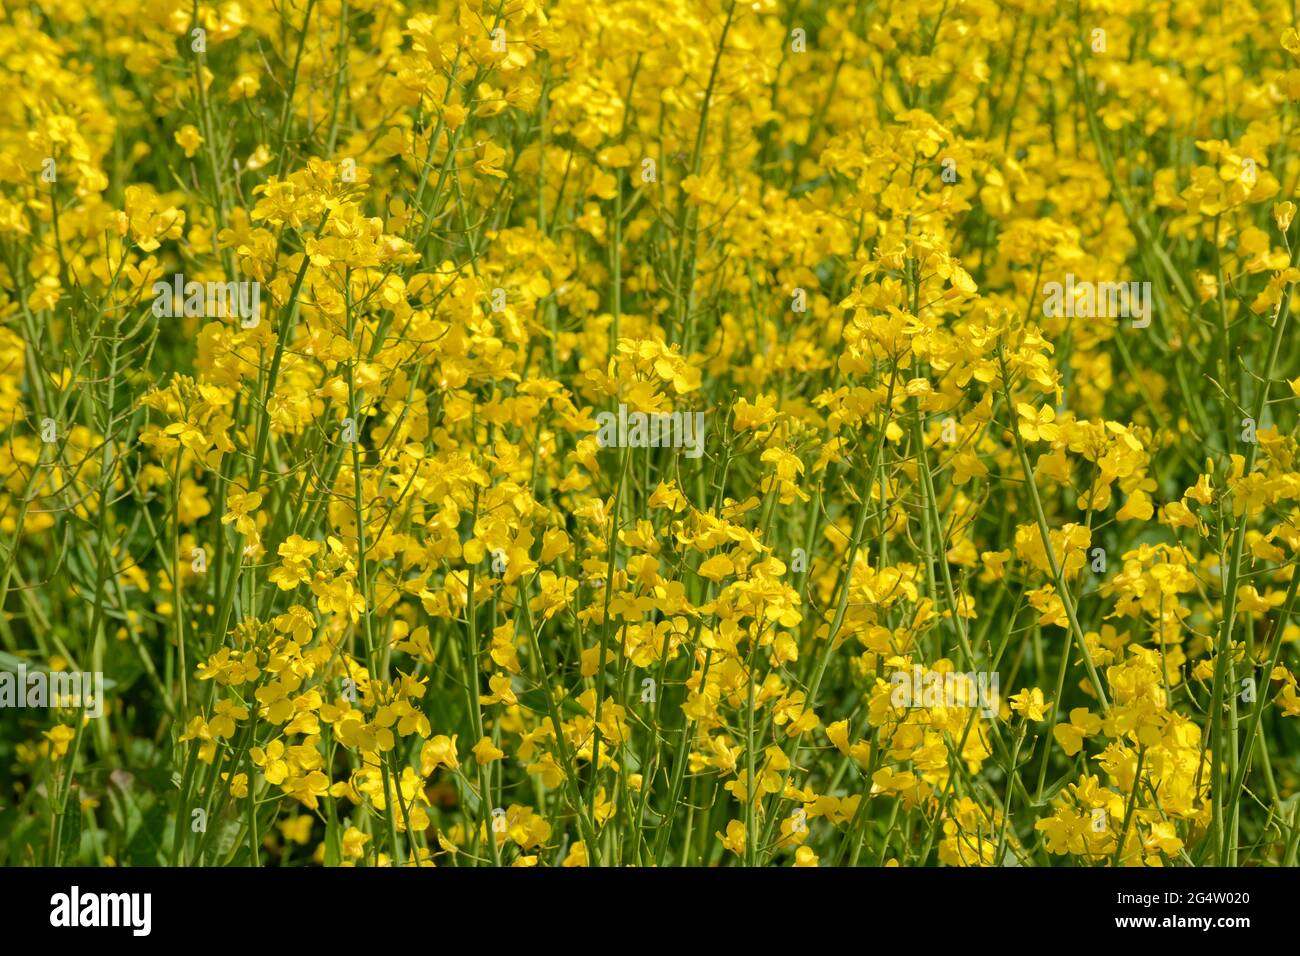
{"type": "Point", "coordinates": [956, 341]}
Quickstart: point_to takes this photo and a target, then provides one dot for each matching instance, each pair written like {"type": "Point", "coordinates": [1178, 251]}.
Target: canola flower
{"type": "Point", "coordinates": [374, 581]}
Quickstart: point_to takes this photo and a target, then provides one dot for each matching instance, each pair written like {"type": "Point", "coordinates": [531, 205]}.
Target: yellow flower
{"type": "Point", "coordinates": [1029, 704]}
{"type": "Point", "coordinates": [1037, 425]}
{"type": "Point", "coordinates": [60, 737]}
{"type": "Point", "coordinates": [577, 855]}
{"type": "Point", "coordinates": [804, 856]}
{"type": "Point", "coordinates": [734, 840]}
{"type": "Point", "coordinates": [437, 752]}
{"type": "Point", "coordinates": [1283, 213]}
{"type": "Point", "coordinates": [354, 843]}
{"type": "Point", "coordinates": [188, 138]}
{"type": "Point", "coordinates": [502, 692]}
{"type": "Point", "coordinates": [1082, 723]}
{"type": "Point", "coordinates": [486, 752]}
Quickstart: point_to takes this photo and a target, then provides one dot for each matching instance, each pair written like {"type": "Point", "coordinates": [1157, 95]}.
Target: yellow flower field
{"type": "Point", "coordinates": [555, 433]}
